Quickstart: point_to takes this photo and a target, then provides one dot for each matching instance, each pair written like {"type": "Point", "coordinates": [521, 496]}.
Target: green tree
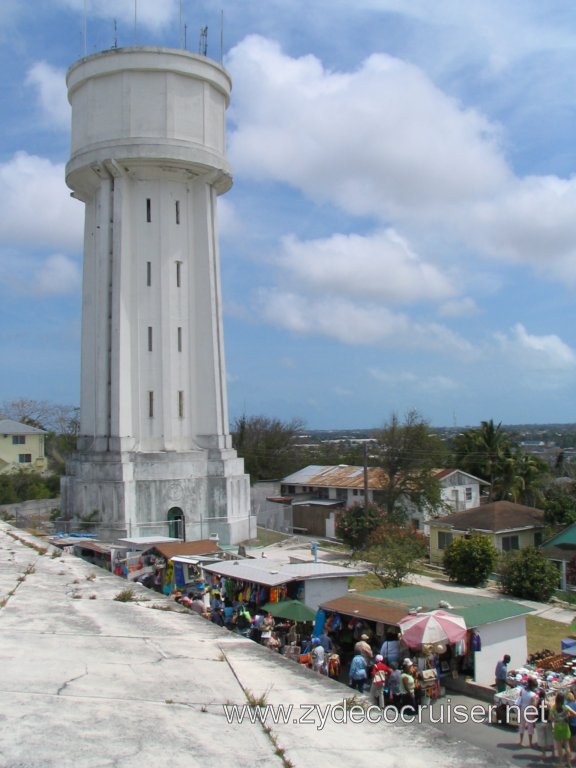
{"type": "Point", "coordinates": [356, 524]}
{"type": "Point", "coordinates": [268, 446]}
{"type": "Point", "coordinates": [393, 550]}
{"type": "Point", "coordinates": [470, 559]}
{"type": "Point", "coordinates": [407, 451]}
{"type": "Point", "coordinates": [528, 574]}
{"type": "Point", "coordinates": [482, 452]}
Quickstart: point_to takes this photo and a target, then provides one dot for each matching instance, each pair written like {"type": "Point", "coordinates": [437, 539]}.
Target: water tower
{"type": "Point", "coordinates": [154, 455]}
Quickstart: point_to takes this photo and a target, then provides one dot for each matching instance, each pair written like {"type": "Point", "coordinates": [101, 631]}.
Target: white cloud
{"type": "Point", "coordinates": [382, 140]}
{"type": "Point", "coordinates": [35, 204]}
{"type": "Point", "coordinates": [381, 266]}
{"type": "Point", "coordinates": [358, 324]}
{"type": "Point", "coordinates": [59, 274]}
{"type": "Point", "coordinates": [50, 85]}
{"type": "Point", "coordinates": [153, 14]}
{"type": "Point", "coordinates": [548, 354]}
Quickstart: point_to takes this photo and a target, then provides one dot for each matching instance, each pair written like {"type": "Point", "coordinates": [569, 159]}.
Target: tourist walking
{"type": "Point", "coordinates": [358, 673]}
{"type": "Point", "coordinates": [527, 711]}
{"type": "Point", "coordinates": [407, 686]}
{"type": "Point", "coordinates": [380, 673]}
{"type": "Point", "coordinates": [560, 715]}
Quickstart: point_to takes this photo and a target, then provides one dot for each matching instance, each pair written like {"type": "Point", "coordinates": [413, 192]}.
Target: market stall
{"type": "Point", "coordinates": [553, 674]}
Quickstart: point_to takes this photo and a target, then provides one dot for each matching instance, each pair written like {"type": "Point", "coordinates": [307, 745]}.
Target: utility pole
{"type": "Point", "coordinates": [366, 478]}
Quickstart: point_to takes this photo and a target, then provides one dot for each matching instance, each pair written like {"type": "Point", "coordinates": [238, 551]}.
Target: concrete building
{"type": "Point", "coordinates": [148, 161]}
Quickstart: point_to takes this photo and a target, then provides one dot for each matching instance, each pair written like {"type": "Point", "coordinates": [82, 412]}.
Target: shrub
{"type": "Point", "coordinates": [470, 559]}
{"type": "Point", "coordinates": [529, 575]}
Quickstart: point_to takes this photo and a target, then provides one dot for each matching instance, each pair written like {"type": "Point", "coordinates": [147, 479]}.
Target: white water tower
{"type": "Point", "coordinates": [154, 456]}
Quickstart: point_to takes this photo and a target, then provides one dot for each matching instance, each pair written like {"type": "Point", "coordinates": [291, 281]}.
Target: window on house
{"type": "Point", "coordinates": [18, 439]}
{"type": "Point", "coordinates": [25, 458]}
{"type": "Point", "coordinates": [444, 539]}
{"type": "Point", "coordinates": [415, 524]}
{"type": "Point", "coordinates": [149, 338]}
{"type": "Point", "coordinates": [509, 543]}
{"type": "Point", "coordinates": [179, 339]}
{"type": "Point", "coordinates": [178, 273]}
{"type": "Point", "coordinates": [148, 273]}
{"type": "Point", "coordinates": [537, 538]}
{"type": "Point", "coordinates": [151, 405]}
{"type": "Point", "coordinates": [468, 494]}
{"type": "Point", "coordinates": [148, 210]}
{"type": "Point", "coordinates": [180, 404]}
{"type": "Point", "coordinates": [177, 211]}
{"type": "Point", "coordinates": [323, 493]}
{"type": "Point", "coordinates": [341, 494]}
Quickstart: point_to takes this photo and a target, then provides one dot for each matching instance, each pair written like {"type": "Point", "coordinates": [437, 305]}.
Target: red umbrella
{"type": "Point", "coordinates": [433, 627]}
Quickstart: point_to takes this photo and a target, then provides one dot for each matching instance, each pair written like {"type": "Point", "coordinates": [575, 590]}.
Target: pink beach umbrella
{"type": "Point", "coordinates": [433, 627]}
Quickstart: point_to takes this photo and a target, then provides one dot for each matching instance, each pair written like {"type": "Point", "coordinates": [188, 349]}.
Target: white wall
{"type": "Point", "coordinates": [317, 591]}
{"type": "Point", "coordinates": [501, 637]}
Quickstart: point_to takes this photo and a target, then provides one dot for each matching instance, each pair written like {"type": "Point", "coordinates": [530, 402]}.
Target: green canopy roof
{"type": "Point", "coordinates": [474, 609]}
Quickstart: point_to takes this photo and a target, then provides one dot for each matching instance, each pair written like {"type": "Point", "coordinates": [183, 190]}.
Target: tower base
{"type": "Point", "coordinates": [189, 495]}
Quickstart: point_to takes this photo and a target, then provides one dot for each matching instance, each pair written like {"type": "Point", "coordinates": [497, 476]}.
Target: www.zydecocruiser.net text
{"type": "Point", "coordinates": [443, 712]}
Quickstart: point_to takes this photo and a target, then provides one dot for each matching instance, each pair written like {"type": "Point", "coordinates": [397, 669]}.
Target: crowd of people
{"type": "Point", "coordinates": [552, 720]}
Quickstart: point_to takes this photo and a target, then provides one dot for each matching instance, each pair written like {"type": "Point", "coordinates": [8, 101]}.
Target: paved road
{"type": "Point", "coordinates": [447, 716]}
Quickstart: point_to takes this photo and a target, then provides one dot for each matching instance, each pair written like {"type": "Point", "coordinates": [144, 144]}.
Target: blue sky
{"type": "Point", "coordinates": [402, 228]}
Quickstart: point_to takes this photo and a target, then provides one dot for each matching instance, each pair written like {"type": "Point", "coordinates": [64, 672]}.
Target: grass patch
{"type": "Point", "coordinates": [543, 633]}
{"type": "Point", "coordinates": [256, 701]}
{"type": "Point", "coordinates": [126, 596]}
{"type": "Point", "coordinates": [266, 537]}
{"type": "Point", "coordinates": [364, 583]}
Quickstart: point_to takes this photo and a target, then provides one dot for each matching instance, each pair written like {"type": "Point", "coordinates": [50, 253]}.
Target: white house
{"type": "Point", "coordinates": [316, 492]}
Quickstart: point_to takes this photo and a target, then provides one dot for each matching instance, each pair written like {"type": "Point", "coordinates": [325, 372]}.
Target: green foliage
{"type": "Point", "coordinates": [408, 452]}
{"type": "Point", "coordinates": [470, 559]}
{"type": "Point", "coordinates": [529, 575]}
{"type": "Point", "coordinates": [25, 485]}
{"type": "Point", "coordinates": [267, 446]}
{"type": "Point", "coordinates": [490, 453]}
{"type": "Point", "coordinates": [393, 550]}
{"type": "Point", "coordinates": [356, 524]}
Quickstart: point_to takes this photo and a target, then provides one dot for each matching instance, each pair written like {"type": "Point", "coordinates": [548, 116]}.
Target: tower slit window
{"type": "Point", "coordinates": [178, 273]}
{"type": "Point", "coordinates": [179, 339]}
{"type": "Point", "coordinates": [151, 405]}
{"type": "Point", "coordinates": [149, 338]}
{"type": "Point", "coordinates": [148, 273]}
{"type": "Point", "coordinates": [148, 210]}
{"type": "Point", "coordinates": [177, 211]}
{"type": "Point", "coordinates": [180, 404]}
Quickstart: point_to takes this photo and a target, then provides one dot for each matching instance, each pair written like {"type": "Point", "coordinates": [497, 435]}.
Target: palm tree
{"type": "Point", "coordinates": [484, 452]}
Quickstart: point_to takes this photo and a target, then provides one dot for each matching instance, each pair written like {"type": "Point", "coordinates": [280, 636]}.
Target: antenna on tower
{"type": "Point", "coordinates": [203, 46]}
{"type": "Point", "coordinates": [115, 34]}
{"type": "Point", "coordinates": [135, 21]}
{"type": "Point", "coordinates": [85, 29]}
{"type": "Point", "coordinates": [222, 36]}
{"type": "Point", "coordinates": [181, 28]}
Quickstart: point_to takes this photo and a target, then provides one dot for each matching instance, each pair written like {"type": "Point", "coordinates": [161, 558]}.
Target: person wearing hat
{"type": "Point", "coordinates": [363, 647]}
{"type": "Point", "coordinates": [407, 686]}
{"type": "Point", "coordinates": [380, 673]}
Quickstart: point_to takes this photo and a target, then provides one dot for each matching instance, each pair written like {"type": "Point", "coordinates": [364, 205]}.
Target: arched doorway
{"type": "Point", "coordinates": [176, 527]}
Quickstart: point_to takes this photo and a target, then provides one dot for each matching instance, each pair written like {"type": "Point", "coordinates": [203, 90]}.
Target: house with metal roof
{"type": "Point", "coordinates": [316, 492]}
{"type": "Point", "coordinates": [21, 447]}
{"type": "Point", "coordinates": [509, 527]}
{"type": "Point", "coordinates": [561, 550]}
{"type": "Point", "coordinates": [500, 623]}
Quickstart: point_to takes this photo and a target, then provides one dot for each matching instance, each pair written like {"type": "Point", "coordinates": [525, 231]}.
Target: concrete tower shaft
{"type": "Point", "coordinates": [148, 160]}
